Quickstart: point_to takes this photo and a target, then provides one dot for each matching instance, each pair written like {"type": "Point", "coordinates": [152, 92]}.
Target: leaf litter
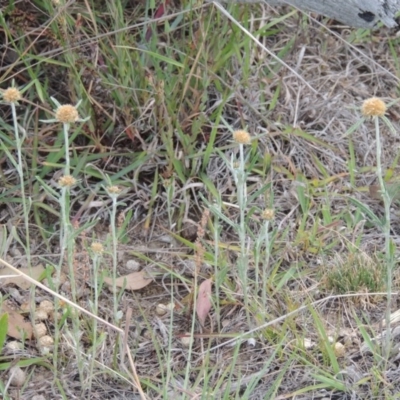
{"type": "Point", "coordinates": [342, 76]}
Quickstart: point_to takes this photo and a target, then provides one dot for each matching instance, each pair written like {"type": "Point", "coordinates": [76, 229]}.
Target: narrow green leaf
{"type": "Point", "coordinates": [331, 383]}
{"type": "Point", "coordinates": [354, 127]}
{"type": "Point", "coordinates": [159, 56]}
{"type": "Point", "coordinates": [3, 329]}
{"type": "Point", "coordinates": [367, 212]}
{"type": "Point", "coordinates": [352, 163]}
{"type": "Point", "coordinates": [325, 342]}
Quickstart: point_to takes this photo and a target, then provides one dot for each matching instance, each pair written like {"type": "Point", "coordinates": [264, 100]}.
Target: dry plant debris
{"type": "Point", "coordinates": [167, 102]}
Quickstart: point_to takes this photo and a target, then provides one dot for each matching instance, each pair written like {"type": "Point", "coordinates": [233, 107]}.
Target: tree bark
{"type": "Point", "coordinates": [355, 13]}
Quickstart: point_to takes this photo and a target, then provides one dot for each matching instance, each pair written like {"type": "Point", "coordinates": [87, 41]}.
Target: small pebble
{"type": "Point", "coordinates": [133, 265]}
{"type": "Point", "coordinates": [15, 294]}
{"type": "Point", "coordinates": [46, 341]}
{"type": "Point", "coordinates": [15, 252]}
{"type": "Point", "coordinates": [339, 349]}
{"type": "Point", "coordinates": [18, 376]}
{"type": "Point", "coordinates": [40, 330]}
{"type": "Point", "coordinates": [308, 343]}
{"type": "Point", "coordinates": [47, 306]}
{"type": "Point", "coordinates": [14, 346]}
{"type": "Point", "coordinates": [41, 315]}
{"type": "Point", "coordinates": [187, 340]}
{"type": "Point", "coordinates": [162, 309]}
{"type": "Point", "coordinates": [225, 323]}
{"type": "Point", "coordinates": [25, 307]}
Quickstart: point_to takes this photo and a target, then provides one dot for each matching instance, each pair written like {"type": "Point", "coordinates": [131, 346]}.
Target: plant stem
{"type": "Point", "coordinates": [114, 252]}
{"type": "Point", "coordinates": [19, 141]}
{"type": "Point", "coordinates": [95, 309]}
{"type": "Point", "coordinates": [386, 231]}
{"type": "Point", "coordinates": [242, 203]}
{"type": "Point", "coordinates": [66, 143]}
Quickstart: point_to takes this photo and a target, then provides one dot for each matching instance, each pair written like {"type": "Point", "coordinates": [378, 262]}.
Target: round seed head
{"type": "Point", "coordinates": [97, 248]}
{"type": "Point", "coordinates": [12, 95]}
{"type": "Point", "coordinates": [113, 190]}
{"type": "Point", "coordinates": [67, 181]}
{"type": "Point", "coordinates": [268, 214]}
{"type": "Point", "coordinates": [67, 114]}
{"type": "Point", "coordinates": [241, 137]}
{"type": "Point", "coordinates": [373, 107]}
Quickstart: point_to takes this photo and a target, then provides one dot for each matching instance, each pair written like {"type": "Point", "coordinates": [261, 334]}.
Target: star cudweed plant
{"type": "Point", "coordinates": [96, 250]}
{"type": "Point", "coordinates": [242, 138]}
{"type": "Point", "coordinates": [114, 191]}
{"type": "Point", "coordinates": [12, 96]}
{"type": "Point", "coordinates": [375, 109]}
{"type": "Point", "coordinates": [67, 114]}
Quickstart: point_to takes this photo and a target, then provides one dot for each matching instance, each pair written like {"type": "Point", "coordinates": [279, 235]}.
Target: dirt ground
{"type": "Point", "coordinates": [304, 134]}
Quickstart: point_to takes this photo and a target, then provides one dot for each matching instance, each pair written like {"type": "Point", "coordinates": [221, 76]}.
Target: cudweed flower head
{"type": "Point", "coordinates": [12, 95]}
{"type": "Point", "coordinates": [236, 164]}
{"type": "Point", "coordinates": [97, 248]}
{"type": "Point", "coordinates": [67, 181]}
{"type": "Point", "coordinates": [268, 214]}
{"type": "Point", "coordinates": [67, 114]}
{"type": "Point", "coordinates": [373, 107]}
{"type": "Point", "coordinates": [167, 182]}
{"type": "Point", "coordinates": [121, 219]}
{"type": "Point", "coordinates": [241, 137]}
{"type": "Point", "coordinates": [113, 190]}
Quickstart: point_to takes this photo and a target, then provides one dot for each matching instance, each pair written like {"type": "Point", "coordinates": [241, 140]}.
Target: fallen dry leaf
{"type": "Point", "coordinates": [11, 277]}
{"type": "Point", "coordinates": [18, 328]}
{"type": "Point", "coordinates": [203, 304]}
{"type": "Point", "coordinates": [133, 281]}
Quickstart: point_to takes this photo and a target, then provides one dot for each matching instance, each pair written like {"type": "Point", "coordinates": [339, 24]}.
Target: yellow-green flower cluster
{"type": "Point", "coordinates": [115, 190]}
{"type": "Point", "coordinates": [12, 95]}
{"type": "Point", "coordinates": [67, 181]}
{"type": "Point", "coordinates": [241, 137]}
{"type": "Point", "coordinates": [268, 214]}
{"type": "Point", "coordinates": [67, 114]}
{"type": "Point", "coordinates": [373, 107]}
{"type": "Point", "coordinates": [97, 248]}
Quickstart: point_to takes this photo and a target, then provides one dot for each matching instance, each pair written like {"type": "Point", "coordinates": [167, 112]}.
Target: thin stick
{"type": "Point", "coordinates": [119, 330]}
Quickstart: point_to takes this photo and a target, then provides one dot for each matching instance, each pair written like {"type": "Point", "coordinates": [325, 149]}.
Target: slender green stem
{"type": "Point", "coordinates": [386, 232]}
{"type": "Point", "coordinates": [265, 264]}
{"type": "Point", "coordinates": [242, 196]}
{"type": "Point", "coordinates": [170, 188]}
{"type": "Point", "coordinates": [242, 203]}
{"type": "Point", "coordinates": [19, 141]}
{"type": "Point", "coordinates": [95, 310]}
{"type": "Point", "coordinates": [68, 247]}
{"type": "Point", "coordinates": [66, 142]}
{"type": "Point", "coordinates": [114, 251]}
{"type": "Point", "coordinates": [217, 271]}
